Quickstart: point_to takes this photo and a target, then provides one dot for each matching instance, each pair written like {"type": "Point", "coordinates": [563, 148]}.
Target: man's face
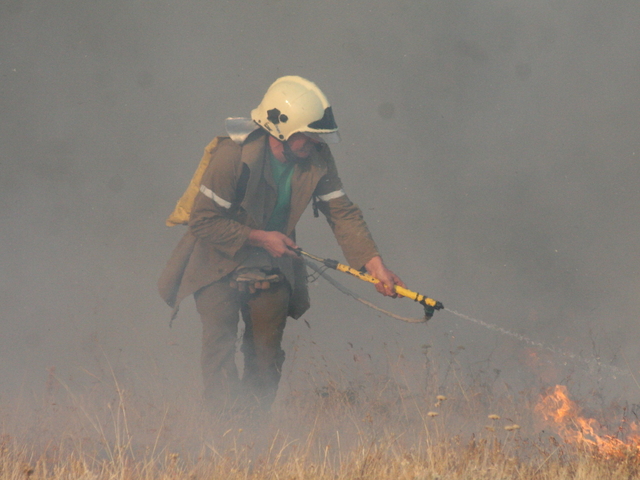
{"type": "Point", "coordinates": [301, 145]}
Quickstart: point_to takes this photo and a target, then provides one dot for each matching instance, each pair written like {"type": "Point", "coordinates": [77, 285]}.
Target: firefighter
{"type": "Point", "coordinates": [237, 255]}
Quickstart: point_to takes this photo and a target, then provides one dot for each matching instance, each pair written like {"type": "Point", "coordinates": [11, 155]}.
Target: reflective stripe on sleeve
{"type": "Point", "coordinates": [220, 201]}
{"type": "Point", "coordinates": [331, 196]}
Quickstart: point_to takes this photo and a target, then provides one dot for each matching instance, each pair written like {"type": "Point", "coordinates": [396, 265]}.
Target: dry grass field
{"type": "Point", "coordinates": [328, 429]}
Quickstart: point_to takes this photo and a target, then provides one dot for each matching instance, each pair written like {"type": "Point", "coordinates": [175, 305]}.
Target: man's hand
{"type": "Point", "coordinates": [387, 278]}
{"type": "Point", "coordinates": [275, 243]}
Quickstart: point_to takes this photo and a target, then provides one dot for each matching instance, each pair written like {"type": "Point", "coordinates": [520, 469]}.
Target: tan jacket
{"type": "Point", "coordinates": [215, 243]}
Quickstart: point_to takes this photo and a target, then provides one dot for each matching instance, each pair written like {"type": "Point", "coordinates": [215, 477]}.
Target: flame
{"type": "Point", "coordinates": [564, 415]}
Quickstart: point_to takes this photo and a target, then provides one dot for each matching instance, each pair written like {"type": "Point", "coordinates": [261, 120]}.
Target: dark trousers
{"type": "Point", "coordinates": [264, 314]}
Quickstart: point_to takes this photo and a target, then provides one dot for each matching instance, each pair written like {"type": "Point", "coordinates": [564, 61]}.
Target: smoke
{"type": "Point", "coordinates": [493, 148]}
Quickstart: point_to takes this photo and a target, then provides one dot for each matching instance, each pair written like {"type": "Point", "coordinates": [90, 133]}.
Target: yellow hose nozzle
{"type": "Point", "coordinates": [429, 304]}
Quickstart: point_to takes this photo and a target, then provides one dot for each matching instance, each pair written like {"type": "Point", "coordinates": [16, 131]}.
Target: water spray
{"type": "Point", "coordinates": [593, 363]}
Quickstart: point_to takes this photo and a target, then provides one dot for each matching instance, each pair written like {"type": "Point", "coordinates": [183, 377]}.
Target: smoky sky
{"type": "Point", "coordinates": [492, 146]}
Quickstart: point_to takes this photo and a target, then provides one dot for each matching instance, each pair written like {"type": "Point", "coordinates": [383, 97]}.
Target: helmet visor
{"type": "Point", "coordinates": [330, 137]}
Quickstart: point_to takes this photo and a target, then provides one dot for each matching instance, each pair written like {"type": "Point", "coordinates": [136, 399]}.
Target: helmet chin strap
{"type": "Point", "coordinates": [288, 153]}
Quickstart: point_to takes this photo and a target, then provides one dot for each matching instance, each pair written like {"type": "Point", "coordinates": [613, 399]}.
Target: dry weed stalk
{"type": "Point", "coordinates": [335, 429]}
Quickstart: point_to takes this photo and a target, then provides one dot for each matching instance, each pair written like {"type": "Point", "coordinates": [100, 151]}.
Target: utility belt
{"type": "Point", "coordinates": [253, 279]}
{"type": "Point", "coordinates": [259, 271]}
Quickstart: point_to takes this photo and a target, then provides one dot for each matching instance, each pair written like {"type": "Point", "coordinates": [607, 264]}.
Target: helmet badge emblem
{"type": "Point", "coordinates": [275, 116]}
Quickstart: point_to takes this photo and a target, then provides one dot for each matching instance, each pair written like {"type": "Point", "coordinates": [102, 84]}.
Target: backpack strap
{"type": "Point", "coordinates": [241, 188]}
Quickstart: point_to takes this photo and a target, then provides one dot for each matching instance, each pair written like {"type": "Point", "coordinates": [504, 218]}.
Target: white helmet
{"type": "Point", "coordinates": [293, 104]}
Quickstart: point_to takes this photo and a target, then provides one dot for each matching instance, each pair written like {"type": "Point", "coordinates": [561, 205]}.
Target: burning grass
{"type": "Point", "coordinates": [329, 429]}
{"type": "Point", "coordinates": [565, 417]}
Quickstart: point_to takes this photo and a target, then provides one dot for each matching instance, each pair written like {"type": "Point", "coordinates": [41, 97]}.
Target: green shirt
{"type": "Point", "coordinates": [282, 173]}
